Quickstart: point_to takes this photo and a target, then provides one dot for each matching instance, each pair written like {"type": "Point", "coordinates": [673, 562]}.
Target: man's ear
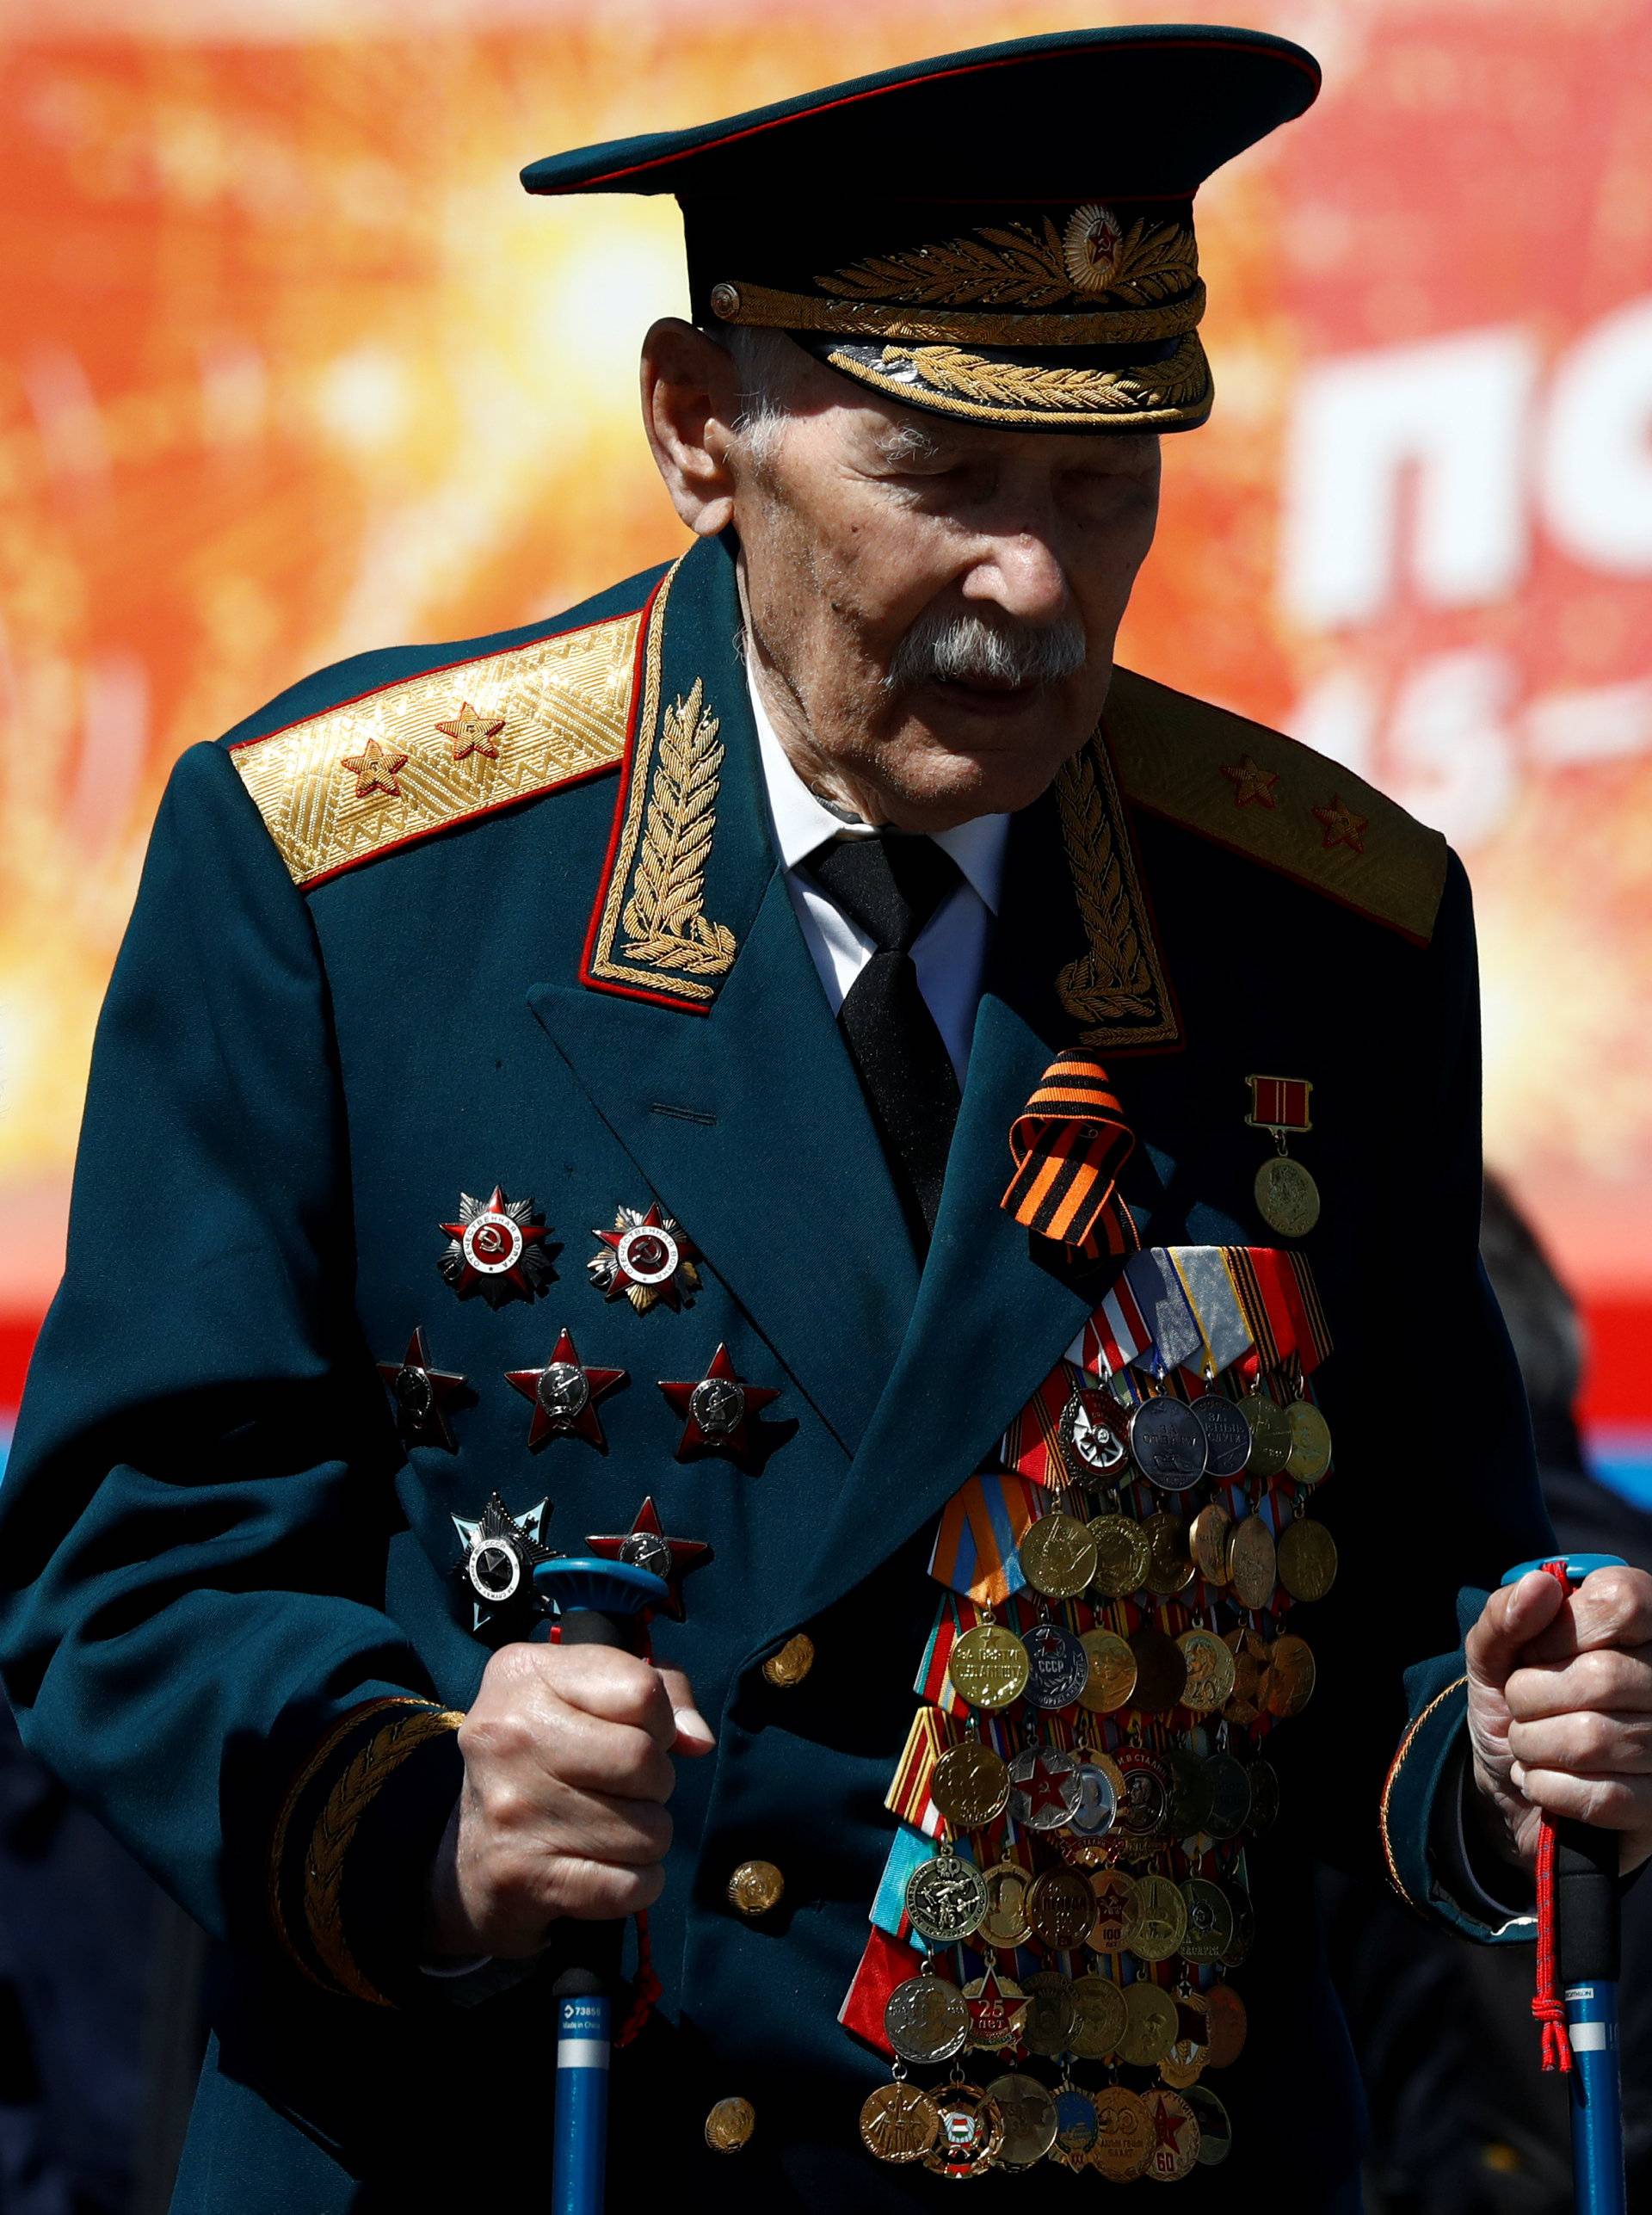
{"type": "Point", "coordinates": [690, 398]}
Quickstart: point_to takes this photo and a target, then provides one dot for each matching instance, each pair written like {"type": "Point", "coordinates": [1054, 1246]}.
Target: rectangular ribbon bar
{"type": "Point", "coordinates": [1173, 1335]}
{"type": "Point", "coordinates": [1207, 1282]}
{"type": "Point", "coordinates": [1279, 1103]}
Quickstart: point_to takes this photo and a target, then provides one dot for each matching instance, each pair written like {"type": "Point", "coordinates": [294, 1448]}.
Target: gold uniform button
{"type": "Point", "coordinates": [792, 1662]}
{"type": "Point", "coordinates": [730, 2126]}
{"type": "Point", "coordinates": [756, 1886]}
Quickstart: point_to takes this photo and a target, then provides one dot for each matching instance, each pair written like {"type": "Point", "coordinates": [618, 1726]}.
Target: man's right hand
{"type": "Point", "coordinates": [567, 1771]}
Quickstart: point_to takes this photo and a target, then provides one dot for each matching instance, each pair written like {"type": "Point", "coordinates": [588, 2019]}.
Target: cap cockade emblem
{"type": "Point", "coordinates": [1014, 264]}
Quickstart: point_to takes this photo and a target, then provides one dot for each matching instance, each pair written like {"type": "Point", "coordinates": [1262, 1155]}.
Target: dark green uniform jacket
{"type": "Point", "coordinates": [377, 963]}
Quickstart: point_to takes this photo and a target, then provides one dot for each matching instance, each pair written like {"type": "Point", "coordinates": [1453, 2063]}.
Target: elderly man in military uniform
{"type": "Point", "coordinates": [800, 1073]}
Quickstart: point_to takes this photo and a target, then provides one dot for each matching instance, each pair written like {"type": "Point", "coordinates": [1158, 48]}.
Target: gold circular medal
{"type": "Point", "coordinates": [1061, 1908]}
{"type": "Point", "coordinates": [1287, 1199]}
{"type": "Point", "coordinates": [1176, 2137]}
{"type": "Point", "coordinates": [1112, 1889]}
{"type": "Point", "coordinates": [1253, 1562]}
{"type": "Point", "coordinates": [997, 2008]}
{"type": "Point", "coordinates": [989, 1667]}
{"type": "Point", "coordinates": [1310, 1442]}
{"type": "Point", "coordinates": [1228, 2023]}
{"type": "Point", "coordinates": [899, 2123]}
{"type": "Point", "coordinates": [970, 1785]}
{"type": "Point", "coordinates": [1270, 1435]}
{"type": "Point", "coordinates": [1098, 2016]}
{"type": "Point", "coordinates": [729, 2125]}
{"type": "Point", "coordinates": [1210, 1671]}
{"type": "Point", "coordinates": [1144, 1803]}
{"type": "Point", "coordinates": [1123, 1556]}
{"type": "Point", "coordinates": [1307, 1559]}
{"type": "Point", "coordinates": [1124, 2134]}
{"type": "Point", "coordinates": [1249, 1652]}
{"type": "Point", "coordinates": [1170, 1567]}
{"type": "Point", "coordinates": [1047, 2027]}
{"type": "Point", "coordinates": [1057, 1555]}
{"type": "Point", "coordinates": [1157, 1920]}
{"type": "Point", "coordinates": [971, 2131]}
{"type": "Point", "coordinates": [1150, 2025]}
{"type": "Point", "coordinates": [1207, 1542]}
{"type": "Point", "coordinates": [1160, 1669]}
{"type": "Point", "coordinates": [1288, 1679]}
{"type": "Point", "coordinates": [1113, 1672]}
{"type": "Point", "coordinates": [1029, 2114]}
{"type": "Point", "coordinates": [1209, 1920]}
{"type": "Point", "coordinates": [1005, 1924]}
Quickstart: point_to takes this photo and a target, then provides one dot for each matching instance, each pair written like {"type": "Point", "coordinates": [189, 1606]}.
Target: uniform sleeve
{"type": "Point", "coordinates": [194, 1522]}
{"type": "Point", "coordinates": [1435, 1462]}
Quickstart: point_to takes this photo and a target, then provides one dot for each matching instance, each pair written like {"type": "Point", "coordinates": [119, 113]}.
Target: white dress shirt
{"type": "Point", "coordinates": [950, 951]}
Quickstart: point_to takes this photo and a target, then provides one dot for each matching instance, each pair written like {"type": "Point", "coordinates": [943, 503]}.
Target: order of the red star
{"type": "Point", "coordinates": [422, 1400]}
{"type": "Point", "coordinates": [682, 1556]}
{"type": "Point", "coordinates": [561, 1421]}
{"type": "Point", "coordinates": [701, 1433]}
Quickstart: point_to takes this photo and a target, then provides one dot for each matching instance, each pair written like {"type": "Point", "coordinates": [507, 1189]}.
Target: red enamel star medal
{"type": "Point", "coordinates": [997, 2009]}
{"type": "Point", "coordinates": [645, 1546]}
{"type": "Point", "coordinates": [716, 1410]}
{"type": "Point", "coordinates": [421, 1394]}
{"type": "Point", "coordinates": [564, 1393]}
{"type": "Point", "coordinates": [646, 1258]}
{"type": "Point", "coordinates": [497, 1250]}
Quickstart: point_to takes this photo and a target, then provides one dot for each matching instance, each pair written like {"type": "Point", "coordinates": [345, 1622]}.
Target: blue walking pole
{"type": "Point", "coordinates": [1586, 1931]}
{"type": "Point", "coordinates": [599, 1603]}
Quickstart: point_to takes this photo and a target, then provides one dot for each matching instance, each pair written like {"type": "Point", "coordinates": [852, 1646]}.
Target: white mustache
{"type": "Point", "coordinates": [969, 649]}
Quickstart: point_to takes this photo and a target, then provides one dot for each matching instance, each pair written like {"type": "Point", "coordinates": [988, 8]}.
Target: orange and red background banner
{"type": "Point", "coordinates": [290, 367]}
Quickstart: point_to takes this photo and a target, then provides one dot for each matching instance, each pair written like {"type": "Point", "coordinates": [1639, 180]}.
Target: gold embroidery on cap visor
{"type": "Point", "coordinates": [948, 300]}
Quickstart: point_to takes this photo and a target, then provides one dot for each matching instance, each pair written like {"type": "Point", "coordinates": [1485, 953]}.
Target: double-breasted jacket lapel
{"type": "Point", "coordinates": [738, 1104]}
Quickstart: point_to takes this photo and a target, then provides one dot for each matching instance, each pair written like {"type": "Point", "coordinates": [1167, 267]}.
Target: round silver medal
{"type": "Point", "coordinates": [1166, 1444]}
{"type": "Point", "coordinates": [945, 1899]}
{"type": "Point", "coordinates": [927, 2020]}
{"type": "Point", "coordinates": [1044, 1788]}
{"type": "Point", "coordinates": [1060, 1666]}
{"type": "Point", "coordinates": [1227, 1434]}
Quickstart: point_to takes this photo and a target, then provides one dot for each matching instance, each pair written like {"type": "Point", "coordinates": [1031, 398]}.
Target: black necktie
{"type": "Point", "coordinates": [891, 885]}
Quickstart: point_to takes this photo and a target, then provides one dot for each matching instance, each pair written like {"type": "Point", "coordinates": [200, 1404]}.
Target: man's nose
{"type": "Point", "coordinates": [1019, 572]}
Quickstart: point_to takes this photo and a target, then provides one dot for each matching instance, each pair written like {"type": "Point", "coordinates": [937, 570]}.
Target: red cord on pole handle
{"type": "Point", "coordinates": [1547, 2007]}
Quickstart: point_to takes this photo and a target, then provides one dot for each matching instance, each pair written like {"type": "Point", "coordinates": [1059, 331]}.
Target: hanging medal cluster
{"type": "Point", "coordinates": [1115, 1640]}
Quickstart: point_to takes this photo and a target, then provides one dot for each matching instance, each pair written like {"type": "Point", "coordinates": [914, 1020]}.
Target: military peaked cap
{"type": "Point", "coordinates": [1004, 235]}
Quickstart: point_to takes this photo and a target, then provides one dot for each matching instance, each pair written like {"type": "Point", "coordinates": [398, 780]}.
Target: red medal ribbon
{"type": "Point", "coordinates": [1068, 1144]}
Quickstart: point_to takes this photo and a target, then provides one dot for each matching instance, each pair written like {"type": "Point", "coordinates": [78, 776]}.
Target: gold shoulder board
{"type": "Point", "coordinates": [1254, 790]}
{"type": "Point", "coordinates": [432, 751]}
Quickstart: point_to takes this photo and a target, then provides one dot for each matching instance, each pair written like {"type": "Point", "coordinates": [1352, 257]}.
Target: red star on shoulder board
{"type": "Point", "coordinates": [717, 1408]}
{"type": "Point", "coordinates": [645, 1546]}
{"type": "Point", "coordinates": [564, 1393]}
{"type": "Point", "coordinates": [1342, 826]}
{"type": "Point", "coordinates": [497, 1249]}
{"type": "Point", "coordinates": [1251, 782]}
{"type": "Point", "coordinates": [421, 1393]}
{"type": "Point", "coordinates": [472, 733]}
{"type": "Point", "coordinates": [374, 770]}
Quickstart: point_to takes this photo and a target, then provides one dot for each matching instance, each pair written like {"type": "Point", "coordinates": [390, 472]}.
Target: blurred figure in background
{"type": "Point", "coordinates": [1463, 2120]}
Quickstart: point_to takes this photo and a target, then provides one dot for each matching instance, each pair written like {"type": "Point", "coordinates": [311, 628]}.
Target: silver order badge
{"type": "Point", "coordinates": [1060, 1667]}
{"type": "Point", "coordinates": [945, 1899]}
{"type": "Point", "coordinates": [717, 1404]}
{"type": "Point", "coordinates": [563, 1391]}
{"type": "Point", "coordinates": [1092, 1433]}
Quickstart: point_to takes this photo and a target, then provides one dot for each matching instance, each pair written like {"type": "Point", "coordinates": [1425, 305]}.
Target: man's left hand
{"type": "Point", "coordinates": [1560, 1709]}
